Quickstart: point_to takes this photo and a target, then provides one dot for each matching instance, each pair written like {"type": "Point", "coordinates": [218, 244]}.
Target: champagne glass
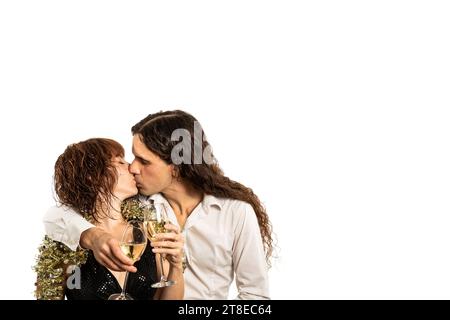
{"type": "Point", "coordinates": [132, 244]}
{"type": "Point", "coordinates": [155, 221]}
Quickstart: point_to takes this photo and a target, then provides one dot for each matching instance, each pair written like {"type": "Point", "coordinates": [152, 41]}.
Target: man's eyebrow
{"type": "Point", "coordinates": [142, 159]}
{"type": "Point", "coordinates": [138, 156]}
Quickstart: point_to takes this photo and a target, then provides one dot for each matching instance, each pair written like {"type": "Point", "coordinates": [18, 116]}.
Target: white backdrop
{"type": "Point", "coordinates": [336, 113]}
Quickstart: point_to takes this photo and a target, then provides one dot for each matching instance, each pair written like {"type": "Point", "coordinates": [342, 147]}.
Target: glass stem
{"type": "Point", "coordinates": [163, 276]}
{"type": "Point", "coordinates": [125, 284]}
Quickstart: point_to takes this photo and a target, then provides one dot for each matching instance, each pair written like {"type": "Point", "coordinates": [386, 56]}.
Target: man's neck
{"type": "Point", "coordinates": [183, 199]}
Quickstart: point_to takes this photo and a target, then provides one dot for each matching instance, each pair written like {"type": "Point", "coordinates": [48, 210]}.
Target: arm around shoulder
{"type": "Point", "coordinates": [65, 225]}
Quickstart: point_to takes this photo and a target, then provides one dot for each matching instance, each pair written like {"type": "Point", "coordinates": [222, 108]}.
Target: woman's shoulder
{"type": "Point", "coordinates": [53, 259]}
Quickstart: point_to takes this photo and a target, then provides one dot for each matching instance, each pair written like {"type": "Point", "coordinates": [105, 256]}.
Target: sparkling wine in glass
{"type": "Point", "coordinates": [132, 244]}
{"type": "Point", "coordinates": [155, 220]}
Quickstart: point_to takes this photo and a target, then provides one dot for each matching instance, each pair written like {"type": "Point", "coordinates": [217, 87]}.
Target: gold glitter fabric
{"type": "Point", "coordinates": [54, 258]}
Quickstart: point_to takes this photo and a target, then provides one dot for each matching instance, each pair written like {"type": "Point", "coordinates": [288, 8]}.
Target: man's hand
{"type": "Point", "coordinates": [171, 245]}
{"type": "Point", "coordinates": [106, 250]}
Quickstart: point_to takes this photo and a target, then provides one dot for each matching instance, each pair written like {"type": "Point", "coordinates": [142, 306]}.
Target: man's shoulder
{"type": "Point", "coordinates": [234, 206]}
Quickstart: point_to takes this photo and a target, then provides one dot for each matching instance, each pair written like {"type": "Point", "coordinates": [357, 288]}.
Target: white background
{"type": "Point", "coordinates": [336, 113]}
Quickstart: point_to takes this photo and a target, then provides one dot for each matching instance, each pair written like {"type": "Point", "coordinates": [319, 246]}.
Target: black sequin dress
{"type": "Point", "coordinates": [98, 283]}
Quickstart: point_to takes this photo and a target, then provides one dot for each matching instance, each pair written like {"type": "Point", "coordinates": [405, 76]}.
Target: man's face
{"type": "Point", "coordinates": [152, 174]}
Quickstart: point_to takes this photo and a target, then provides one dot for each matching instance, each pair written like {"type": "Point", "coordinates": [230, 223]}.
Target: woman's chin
{"type": "Point", "coordinates": [132, 193]}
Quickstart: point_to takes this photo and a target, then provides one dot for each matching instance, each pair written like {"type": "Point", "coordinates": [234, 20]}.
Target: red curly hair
{"type": "Point", "coordinates": [85, 177]}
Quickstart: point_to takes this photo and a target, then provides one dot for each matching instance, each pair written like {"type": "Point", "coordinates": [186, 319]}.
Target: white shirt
{"type": "Point", "coordinates": [222, 240]}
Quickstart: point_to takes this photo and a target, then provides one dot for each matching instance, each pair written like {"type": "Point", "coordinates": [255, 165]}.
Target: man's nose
{"type": "Point", "coordinates": [133, 168]}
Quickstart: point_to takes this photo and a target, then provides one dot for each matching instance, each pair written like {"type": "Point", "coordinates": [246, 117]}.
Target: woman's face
{"type": "Point", "coordinates": [126, 185]}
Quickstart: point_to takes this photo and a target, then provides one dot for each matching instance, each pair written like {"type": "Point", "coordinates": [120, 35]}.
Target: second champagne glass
{"type": "Point", "coordinates": [132, 244]}
{"type": "Point", "coordinates": [155, 221]}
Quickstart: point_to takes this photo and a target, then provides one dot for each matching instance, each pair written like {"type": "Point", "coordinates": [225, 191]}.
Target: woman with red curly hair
{"type": "Point", "coordinates": [92, 178]}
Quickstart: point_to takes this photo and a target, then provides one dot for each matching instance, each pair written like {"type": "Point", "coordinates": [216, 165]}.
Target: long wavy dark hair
{"type": "Point", "coordinates": [85, 177]}
{"type": "Point", "coordinates": [156, 131]}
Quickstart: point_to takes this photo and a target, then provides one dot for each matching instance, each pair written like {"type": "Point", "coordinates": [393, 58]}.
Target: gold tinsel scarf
{"type": "Point", "coordinates": [55, 257]}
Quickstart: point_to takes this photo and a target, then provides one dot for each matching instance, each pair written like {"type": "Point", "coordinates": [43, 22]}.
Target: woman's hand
{"type": "Point", "coordinates": [171, 245]}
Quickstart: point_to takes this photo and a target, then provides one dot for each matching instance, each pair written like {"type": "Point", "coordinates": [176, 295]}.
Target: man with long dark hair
{"type": "Point", "coordinates": [226, 228]}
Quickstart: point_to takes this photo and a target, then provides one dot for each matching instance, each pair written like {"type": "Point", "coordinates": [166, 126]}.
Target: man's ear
{"type": "Point", "coordinates": [175, 171]}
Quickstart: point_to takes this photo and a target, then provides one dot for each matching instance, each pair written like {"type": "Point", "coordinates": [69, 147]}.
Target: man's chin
{"type": "Point", "coordinates": [144, 192]}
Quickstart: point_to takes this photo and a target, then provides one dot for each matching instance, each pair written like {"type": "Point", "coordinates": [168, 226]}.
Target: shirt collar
{"type": "Point", "coordinates": [208, 200]}
{"type": "Point", "coordinates": [157, 198]}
